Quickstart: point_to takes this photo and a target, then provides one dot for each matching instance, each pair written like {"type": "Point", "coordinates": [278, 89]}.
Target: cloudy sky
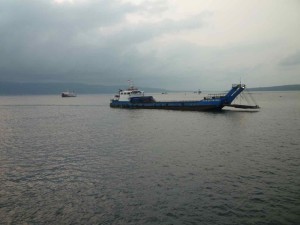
{"type": "Point", "coordinates": [173, 44]}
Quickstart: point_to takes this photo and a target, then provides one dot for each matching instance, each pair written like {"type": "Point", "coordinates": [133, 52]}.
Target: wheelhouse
{"type": "Point", "coordinates": [126, 95]}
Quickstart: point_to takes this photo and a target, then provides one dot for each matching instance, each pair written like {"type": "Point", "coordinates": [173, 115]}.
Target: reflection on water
{"type": "Point", "coordinates": [77, 161]}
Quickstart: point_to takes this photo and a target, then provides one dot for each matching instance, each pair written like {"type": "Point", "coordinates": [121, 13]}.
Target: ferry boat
{"type": "Point", "coordinates": [68, 94]}
{"type": "Point", "coordinates": [133, 98]}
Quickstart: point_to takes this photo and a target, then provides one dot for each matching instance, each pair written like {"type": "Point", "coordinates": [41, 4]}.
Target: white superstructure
{"type": "Point", "coordinates": [125, 95]}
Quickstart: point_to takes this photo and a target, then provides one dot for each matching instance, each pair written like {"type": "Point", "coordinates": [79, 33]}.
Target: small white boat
{"type": "Point", "coordinates": [68, 94]}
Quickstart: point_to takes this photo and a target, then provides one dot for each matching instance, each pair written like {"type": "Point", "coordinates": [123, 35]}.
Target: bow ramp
{"type": "Point", "coordinates": [236, 91]}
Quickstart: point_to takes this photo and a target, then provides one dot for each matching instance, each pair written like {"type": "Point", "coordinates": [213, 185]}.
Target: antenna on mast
{"type": "Point", "coordinates": [131, 85]}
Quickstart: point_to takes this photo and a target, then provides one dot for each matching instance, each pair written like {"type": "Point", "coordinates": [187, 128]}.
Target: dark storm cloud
{"type": "Point", "coordinates": [43, 41]}
{"type": "Point", "coordinates": [38, 37]}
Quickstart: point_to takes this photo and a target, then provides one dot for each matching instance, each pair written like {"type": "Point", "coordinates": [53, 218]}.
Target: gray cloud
{"type": "Point", "coordinates": [291, 60]}
{"type": "Point", "coordinates": [37, 37]}
{"type": "Point", "coordinates": [42, 41]}
{"type": "Point", "coordinates": [93, 42]}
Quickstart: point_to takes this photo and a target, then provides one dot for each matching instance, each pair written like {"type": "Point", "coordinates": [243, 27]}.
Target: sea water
{"type": "Point", "coordinates": [78, 161]}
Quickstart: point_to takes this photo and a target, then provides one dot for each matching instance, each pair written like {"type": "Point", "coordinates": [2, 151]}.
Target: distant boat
{"type": "Point", "coordinates": [198, 92]}
{"type": "Point", "coordinates": [68, 94]}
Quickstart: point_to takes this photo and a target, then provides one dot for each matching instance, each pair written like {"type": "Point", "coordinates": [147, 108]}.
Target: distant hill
{"type": "Point", "coordinates": [11, 88]}
{"type": "Point", "coordinates": [292, 87]}
{"type": "Point", "coordinates": [14, 88]}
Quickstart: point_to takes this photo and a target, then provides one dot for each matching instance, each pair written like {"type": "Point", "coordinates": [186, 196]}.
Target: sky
{"type": "Point", "coordinates": [171, 44]}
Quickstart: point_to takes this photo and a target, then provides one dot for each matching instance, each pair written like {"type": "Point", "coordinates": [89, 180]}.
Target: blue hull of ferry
{"type": "Point", "coordinates": [202, 105]}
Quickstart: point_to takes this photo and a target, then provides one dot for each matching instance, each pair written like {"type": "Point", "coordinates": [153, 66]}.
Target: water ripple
{"type": "Point", "coordinates": [77, 163]}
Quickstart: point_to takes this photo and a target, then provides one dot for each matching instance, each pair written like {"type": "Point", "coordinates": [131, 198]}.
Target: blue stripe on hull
{"type": "Point", "coordinates": [190, 106]}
